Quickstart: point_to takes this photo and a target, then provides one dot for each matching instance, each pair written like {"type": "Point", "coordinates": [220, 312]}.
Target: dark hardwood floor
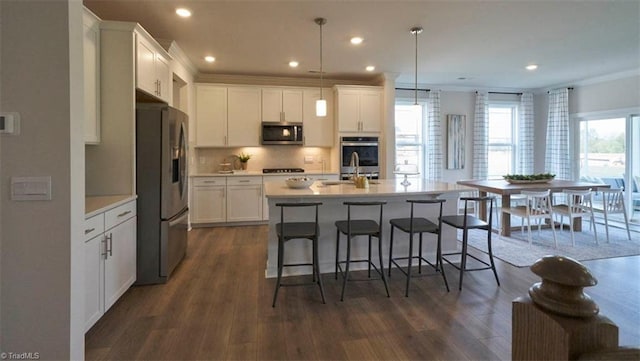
{"type": "Point", "coordinates": [218, 306]}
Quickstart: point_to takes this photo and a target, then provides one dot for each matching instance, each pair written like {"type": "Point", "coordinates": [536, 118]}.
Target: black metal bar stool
{"type": "Point", "coordinates": [298, 230]}
{"type": "Point", "coordinates": [418, 225]}
{"type": "Point", "coordinates": [359, 227]}
{"type": "Point", "coordinates": [466, 222]}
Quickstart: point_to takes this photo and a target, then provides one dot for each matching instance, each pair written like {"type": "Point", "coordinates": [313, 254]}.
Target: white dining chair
{"type": "Point", "coordinates": [537, 206]}
{"type": "Point", "coordinates": [577, 204]}
{"type": "Point", "coordinates": [613, 203]}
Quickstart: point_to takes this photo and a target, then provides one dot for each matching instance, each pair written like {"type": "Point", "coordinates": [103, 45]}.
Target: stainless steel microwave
{"type": "Point", "coordinates": [282, 133]}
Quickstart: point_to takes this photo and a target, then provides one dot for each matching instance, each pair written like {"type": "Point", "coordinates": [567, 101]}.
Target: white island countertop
{"type": "Point", "coordinates": [382, 187]}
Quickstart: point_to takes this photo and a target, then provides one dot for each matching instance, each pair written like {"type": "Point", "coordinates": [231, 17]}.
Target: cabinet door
{"type": "Point", "coordinates": [318, 131]}
{"type": "Point", "coordinates": [272, 105]}
{"type": "Point", "coordinates": [292, 105]}
{"type": "Point", "coordinates": [94, 253]}
{"type": "Point", "coordinates": [91, 44]}
{"type": "Point", "coordinates": [348, 110]}
{"type": "Point", "coordinates": [209, 205]}
{"type": "Point", "coordinates": [244, 203]}
{"type": "Point", "coordinates": [120, 264]}
{"type": "Point", "coordinates": [164, 77]}
{"type": "Point", "coordinates": [370, 110]}
{"type": "Point", "coordinates": [211, 116]}
{"type": "Point", "coordinates": [243, 120]}
{"type": "Point", "coordinates": [145, 66]}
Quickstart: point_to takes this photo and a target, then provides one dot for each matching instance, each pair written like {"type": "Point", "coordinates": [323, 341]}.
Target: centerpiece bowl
{"type": "Point", "coordinates": [299, 182]}
{"type": "Point", "coordinates": [528, 179]}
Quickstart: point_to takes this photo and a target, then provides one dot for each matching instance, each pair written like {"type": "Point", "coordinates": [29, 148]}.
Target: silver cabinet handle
{"type": "Point", "coordinates": [210, 182]}
{"type": "Point", "coordinates": [159, 87]}
{"type": "Point", "coordinates": [110, 248]}
{"type": "Point", "coordinates": [123, 214]}
{"type": "Point", "coordinates": [87, 231]}
{"type": "Point", "coordinates": [225, 140]}
{"type": "Point", "coordinates": [244, 181]}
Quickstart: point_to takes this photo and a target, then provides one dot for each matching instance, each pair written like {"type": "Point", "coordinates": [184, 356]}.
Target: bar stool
{"type": "Point", "coordinates": [359, 227]}
{"type": "Point", "coordinates": [287, 231]}
{"type": "Point", "coordinates": [466, 222]}
{"type": "Point", "coordinates": [418, 225]}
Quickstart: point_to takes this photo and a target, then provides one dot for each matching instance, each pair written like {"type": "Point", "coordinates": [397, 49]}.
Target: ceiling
{"type": "Point", "coordinates": [482, 44]}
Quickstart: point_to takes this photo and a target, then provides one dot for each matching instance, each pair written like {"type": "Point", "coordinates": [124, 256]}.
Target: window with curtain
{"type": "Point", "coordinates": [502, 143]}
{"type": "Point", "coordinates": [409, 129]}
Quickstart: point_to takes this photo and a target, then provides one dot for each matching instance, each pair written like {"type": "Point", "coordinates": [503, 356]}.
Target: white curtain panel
{"type": "Point", "coordinates": [557, 151]}
{"type": "Point", "coordinates": [525, 135]}
{"type": "Point", "coordinates": [481, 136]}
{"type": "Point", "coordinates": [434, 137]}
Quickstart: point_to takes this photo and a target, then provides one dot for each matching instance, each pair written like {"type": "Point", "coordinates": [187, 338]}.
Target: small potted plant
{"type": "Point", "coordinates": [244, 158]}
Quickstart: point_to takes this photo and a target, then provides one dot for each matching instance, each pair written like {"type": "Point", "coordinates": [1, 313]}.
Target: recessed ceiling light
{"type": "Point", "coordinates": [293, 64]}
{"type": "Point", "coordinates": [356, 40]}
{"type": "Point", "coordinates": [370, 68]}
{"type": "Point", "coordinates": [185, 13]}
{"type": "Point", "coordinates": [532, 67]}
{"type": "Point", "coordinates": [209, 59]}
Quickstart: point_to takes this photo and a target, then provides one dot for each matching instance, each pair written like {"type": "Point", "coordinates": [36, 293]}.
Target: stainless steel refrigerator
{"type": "Point", "coordinates": [161, 185]}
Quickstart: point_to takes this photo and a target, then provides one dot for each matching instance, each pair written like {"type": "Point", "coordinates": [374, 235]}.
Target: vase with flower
{"type": "Point", "coordinates": [244, 158]}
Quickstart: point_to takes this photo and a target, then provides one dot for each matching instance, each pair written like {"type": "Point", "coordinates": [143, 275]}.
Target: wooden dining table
{"type": "Point", "coordinates": [505, 190]}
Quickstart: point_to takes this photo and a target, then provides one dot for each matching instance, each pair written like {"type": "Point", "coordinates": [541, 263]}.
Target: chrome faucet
{"type": "Point", "coordinates": [355, 162]}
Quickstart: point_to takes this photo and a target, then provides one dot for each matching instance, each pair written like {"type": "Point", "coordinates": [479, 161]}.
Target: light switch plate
{"type": "Point", "coordinates": [308, 159]}
{"type": "Point", "coordinates": [10, 123]}
{"type": "Point", "coordinates": [31, 188]}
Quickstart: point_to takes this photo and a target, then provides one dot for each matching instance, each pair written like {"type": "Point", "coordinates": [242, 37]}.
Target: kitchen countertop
{"type": "Point", "coordinates": [97, 204]}
{"type": "Point", "coordinates": [381, 187]}
{"type": "Point", "coordinates": [258, 173]}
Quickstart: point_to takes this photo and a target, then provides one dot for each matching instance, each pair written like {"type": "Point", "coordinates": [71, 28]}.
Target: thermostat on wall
{"type": "Point", "coordinates": [10, 123]}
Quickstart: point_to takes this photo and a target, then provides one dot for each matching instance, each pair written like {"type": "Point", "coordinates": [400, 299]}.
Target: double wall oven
{"type": "Point", "coordinates": [368, 154]}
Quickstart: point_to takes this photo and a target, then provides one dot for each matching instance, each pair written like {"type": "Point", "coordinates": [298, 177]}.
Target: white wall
{"type": "Point", "coordinates": [41, 285]}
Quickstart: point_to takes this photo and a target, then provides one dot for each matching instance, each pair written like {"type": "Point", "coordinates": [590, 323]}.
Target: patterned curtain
{"type": "Point", "coordinates": [525, 135]}
{"type": "Point", "coordinates": [434, 138]}
{"type": "Point", "coordinates": [480, 136]}
{"type": "Point", "coordinates": [557, 151]}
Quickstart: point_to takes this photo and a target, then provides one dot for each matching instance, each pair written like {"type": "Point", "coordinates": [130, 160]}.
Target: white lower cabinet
{"type": "Point", "coordinates": [208, 200]}
{"type": "Point", "coordinates": [110, 259]}
{"type": "Point", "coordinates": [244, 199]}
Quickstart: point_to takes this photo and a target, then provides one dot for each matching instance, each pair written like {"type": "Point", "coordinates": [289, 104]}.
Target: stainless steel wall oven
{"type": "Point", "coordinates": [368, 154]}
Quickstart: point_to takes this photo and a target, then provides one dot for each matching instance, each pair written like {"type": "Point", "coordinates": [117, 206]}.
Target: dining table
{"type": "Point", "coordinates": [506, 190]}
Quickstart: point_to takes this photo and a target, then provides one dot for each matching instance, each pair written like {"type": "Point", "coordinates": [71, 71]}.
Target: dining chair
{"type": "Point", "coordinates": [420, 225]}
{"type": "Point", "coordinates": [537, 206]}
{"type": "Point", "coordinates": [466, 222]}
{"type": "Point", "coordinates": [577, 204]}
{"type": "Point", "coordinates": [613, 203]}
{"type": "Point", "coordinates": [287, 231]}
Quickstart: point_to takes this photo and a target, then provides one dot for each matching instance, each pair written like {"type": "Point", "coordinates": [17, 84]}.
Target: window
{"type": "Point", "coordinates": [502, 139]}
{"type": "Point", "coordinates": [409, 126]}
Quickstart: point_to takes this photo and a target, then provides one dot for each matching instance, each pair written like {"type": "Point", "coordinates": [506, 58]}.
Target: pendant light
{"type": "Point", "coordinates": [415, 31]}
{"type": "Point", "coordinates": [321, 104]}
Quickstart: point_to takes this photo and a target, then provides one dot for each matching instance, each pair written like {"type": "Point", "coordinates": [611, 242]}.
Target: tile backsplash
{"type": "Point", "coordinates": [207, 160]}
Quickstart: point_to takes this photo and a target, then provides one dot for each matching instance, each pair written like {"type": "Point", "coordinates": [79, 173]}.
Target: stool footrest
{"type": "Point", "coordinates": [401, 268]}
{"type": "Point", "coordinates": [468, 255]}
{"type": "Point", "coordinates": [375, 268]}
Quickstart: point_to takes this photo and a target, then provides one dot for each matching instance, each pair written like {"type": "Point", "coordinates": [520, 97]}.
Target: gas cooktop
{"type": "Point", "coordinates": [282, 170]}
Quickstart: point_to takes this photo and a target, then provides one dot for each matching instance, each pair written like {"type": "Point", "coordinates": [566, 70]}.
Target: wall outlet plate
{"type": "Point", "coordinates": [10, 123]}
{"type": "Point", "coordinates": [308, 159]}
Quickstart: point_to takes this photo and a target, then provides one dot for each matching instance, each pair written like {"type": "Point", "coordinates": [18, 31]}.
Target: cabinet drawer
{"type": "Point", "coordinates": [119, 214]}
{"type": "Point", "coordinates": [210, 181]}
{"type": "Point", "coordinates": [93, 226]}
{"type": "Point", "coordinates": [243, 181]}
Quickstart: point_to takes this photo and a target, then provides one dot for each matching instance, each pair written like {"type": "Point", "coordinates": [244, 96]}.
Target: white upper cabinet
{"type": "Point", "coordinates": [211, 116]}
{"type": "Point", "coordinates": [227, 116]}
{"type": "Point", "coordinates": [359, 109]}
{"type": "Point", "coordinates": [243, 117]}
{"type": "Point", "coordinates": [153, 72]}
{"type": "Point", "coordinates": [282, 105]}
{"type": "Point", "coordinates": [91, 45]}
{"type": "Point", "coordinates": [318, 131]}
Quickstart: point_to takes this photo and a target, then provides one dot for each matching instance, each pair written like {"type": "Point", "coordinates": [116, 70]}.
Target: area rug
{"type": "Point", "coordinates": [516, 250]}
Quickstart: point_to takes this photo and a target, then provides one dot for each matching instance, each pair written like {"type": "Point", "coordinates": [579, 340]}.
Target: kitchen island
{"type": "Point", "coordinates": [332, 195]}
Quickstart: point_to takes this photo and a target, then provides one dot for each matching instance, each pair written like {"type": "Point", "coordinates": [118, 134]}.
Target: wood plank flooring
{"type": "Point", "coordinates": [217, 306]}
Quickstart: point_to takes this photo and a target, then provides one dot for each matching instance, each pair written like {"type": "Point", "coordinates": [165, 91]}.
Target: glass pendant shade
{"type": "Point", "coordinates": [321, 108]}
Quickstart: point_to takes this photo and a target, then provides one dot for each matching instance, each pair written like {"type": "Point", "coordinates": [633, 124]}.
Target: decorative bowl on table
{"type": "Point", "coordinates": [299, 182]}
{"type": "Point", "coordinates": [529, 178]}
